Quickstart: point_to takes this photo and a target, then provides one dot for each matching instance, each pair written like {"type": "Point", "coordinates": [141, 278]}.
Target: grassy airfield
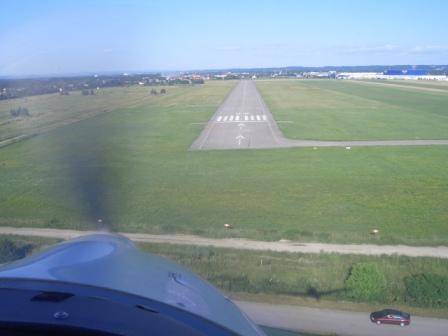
{"type": "Point", "coordinates": [152, 183]}
{"type": "Point", "coordinates": [358, 110]}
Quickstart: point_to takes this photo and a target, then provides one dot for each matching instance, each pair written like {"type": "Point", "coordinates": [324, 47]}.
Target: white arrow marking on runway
{"type": "Point", "coordinates": [239, 138]}
{"type": "Point", "coordinates": [241, 125]}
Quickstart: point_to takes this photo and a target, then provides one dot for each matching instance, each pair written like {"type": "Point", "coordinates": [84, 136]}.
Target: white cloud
{"type": "Point", "coordinates": [428, 49]}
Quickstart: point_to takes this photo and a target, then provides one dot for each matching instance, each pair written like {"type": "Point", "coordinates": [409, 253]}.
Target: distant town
{"type": "Point", "coordinates": [11, 88]}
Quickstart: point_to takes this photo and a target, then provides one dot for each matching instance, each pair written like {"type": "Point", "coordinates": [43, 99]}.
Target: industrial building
{"type": "Point", "coordinates": [408, 74]}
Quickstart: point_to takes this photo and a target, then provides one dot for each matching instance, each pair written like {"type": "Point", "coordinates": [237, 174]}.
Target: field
{"type": "Point", "coordinates": [437, 85]}
{"type": "Point", "coordinates": [52, 110]}
{"type": "Point", "coordinates": [357, 110]}
{"type": "Point", "coordinates": [152, 183]}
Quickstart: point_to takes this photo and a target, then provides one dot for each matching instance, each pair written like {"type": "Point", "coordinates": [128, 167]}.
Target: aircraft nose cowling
{"type": "Point", "coordinates": [113, 262]}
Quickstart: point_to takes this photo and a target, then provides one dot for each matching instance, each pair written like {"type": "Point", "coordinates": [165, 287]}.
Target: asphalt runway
{"type": "Point", "coordinates": [243, 121]}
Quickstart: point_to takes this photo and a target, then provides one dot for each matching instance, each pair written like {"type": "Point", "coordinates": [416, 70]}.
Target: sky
{"type": "Point", "coordinates": [84, 36]}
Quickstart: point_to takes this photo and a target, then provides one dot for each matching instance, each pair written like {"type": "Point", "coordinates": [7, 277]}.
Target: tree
{"type": "Point", "coordinates": [366, 282]}
{"type": "Point", "coordinates": [20, 112]}
{"type": "Point", "coordinates": [11, 249]}
{"type": "Point", "coordinates": [428, 289]}
{"type": "Point", "coordinates": [163, 91]}
{"type": "Point", "coordinates": [24, 112]}
{"type": "Point", "coordinates": [153, 92]}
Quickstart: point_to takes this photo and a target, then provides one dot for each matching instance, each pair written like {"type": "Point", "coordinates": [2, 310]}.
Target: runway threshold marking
{"type": "Point", "coordinates": [237, 118]}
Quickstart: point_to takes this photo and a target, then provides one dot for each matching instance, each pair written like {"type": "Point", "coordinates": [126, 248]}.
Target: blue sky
{"type": "Point", "coordinates": [64, 36]}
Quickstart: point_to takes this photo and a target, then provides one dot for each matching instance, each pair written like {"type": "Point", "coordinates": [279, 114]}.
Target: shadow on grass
{"type": "Point", "coordinates": [317, 294]}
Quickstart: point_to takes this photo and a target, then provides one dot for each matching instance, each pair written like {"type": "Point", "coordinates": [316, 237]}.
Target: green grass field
{"type": "Point", "coordinates": [152, 183]}
{"type": "Point", "coordinates": [52, 110]}
{"type": "Point", "coordinates": [438, 85]}
{"type": "Point", "coordinates": [355, 110]}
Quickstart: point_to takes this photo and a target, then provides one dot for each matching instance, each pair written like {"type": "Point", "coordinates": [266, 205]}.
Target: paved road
{"type": "Point", "coordinates": [336, 322]}
{"type": "Point", "coordinates": [246, 244]}
{"type": "Point", "coordinates": [244, 121]}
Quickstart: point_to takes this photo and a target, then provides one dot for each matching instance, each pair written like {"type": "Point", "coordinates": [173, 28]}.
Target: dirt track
{"type": "Point", "coordinates": [245, 244]}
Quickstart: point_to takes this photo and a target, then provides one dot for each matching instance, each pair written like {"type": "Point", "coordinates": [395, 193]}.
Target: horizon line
{"type": "Point", "coordinates": [134, 72]}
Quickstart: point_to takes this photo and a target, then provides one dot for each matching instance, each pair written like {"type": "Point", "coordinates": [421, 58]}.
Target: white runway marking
{"type": "Point", "coordinates": [239, 138]}
{"type": "Point", "coordinates": [237, 119]}
{"type": "Point", "coordinates": [264, 118]}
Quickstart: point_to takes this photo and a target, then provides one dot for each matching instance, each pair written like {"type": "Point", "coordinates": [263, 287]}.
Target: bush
{"type": "Point", "coordinates": [11, 250]}
{"type": "Point", "coordinates": [231, 282]}
{"type": "Point", "coordinates": [427, 290]}
{"type": "Point", "coordinates": [365, 282]}
{"type": "Point", "coordinates": [20, 112]}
